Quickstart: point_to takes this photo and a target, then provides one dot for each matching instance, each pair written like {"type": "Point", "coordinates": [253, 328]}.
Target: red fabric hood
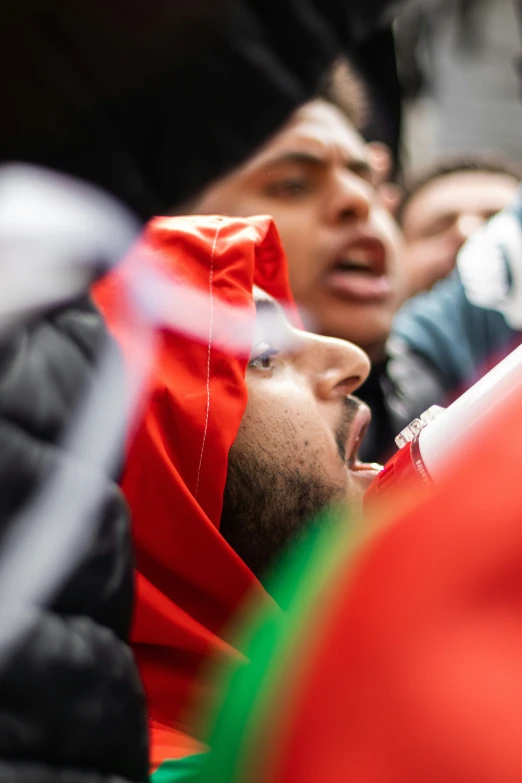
{"type": "Point", "coordinates": [189, 581]}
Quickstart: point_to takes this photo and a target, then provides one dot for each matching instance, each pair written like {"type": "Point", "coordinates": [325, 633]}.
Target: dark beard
{"type": "Point", "coordinates": [266, 507]}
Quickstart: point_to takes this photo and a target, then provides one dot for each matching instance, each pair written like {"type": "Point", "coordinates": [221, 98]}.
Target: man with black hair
{"type": "Point", "coordinates": [321, 181]}
{"type": "Point", "coordinates": [443, 206]}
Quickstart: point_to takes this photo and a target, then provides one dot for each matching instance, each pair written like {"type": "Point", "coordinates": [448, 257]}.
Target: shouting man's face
{"type": "Point", "coordinates": [296, 450]}
{"type": "Point", "coordinates": [317, 180]}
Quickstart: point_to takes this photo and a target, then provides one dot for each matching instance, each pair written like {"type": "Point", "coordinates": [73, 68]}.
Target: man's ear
{"type": "Point", "coordinates": [381, 162]}
{"type": "Point", "coordinates": [391, 196]}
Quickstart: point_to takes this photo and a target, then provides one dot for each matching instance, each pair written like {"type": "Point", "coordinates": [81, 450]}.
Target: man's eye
{"type": "Point", "coordinates": [297, 186]}
{"type": "Point", "coordinates": [262, 357]}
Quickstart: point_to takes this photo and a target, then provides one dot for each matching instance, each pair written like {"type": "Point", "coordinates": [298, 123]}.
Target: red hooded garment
{"type": "Point", "coordinates": [189, 581]}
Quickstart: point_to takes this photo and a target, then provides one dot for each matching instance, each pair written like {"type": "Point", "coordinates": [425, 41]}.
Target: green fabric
{"type": "Point", "coordinates": [272, 644]}
{"type": "Point", "coordinates": [178, 770]}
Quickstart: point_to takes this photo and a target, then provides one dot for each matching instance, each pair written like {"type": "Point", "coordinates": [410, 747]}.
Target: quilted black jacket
{"type": "Point", "coordinates": [71, 703]}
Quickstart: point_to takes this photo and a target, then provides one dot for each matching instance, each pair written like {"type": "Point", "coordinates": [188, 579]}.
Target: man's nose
{"type": "Point", "coordinates": [350, 199]}
{"type": "Point", "coordinates": [336, 367]}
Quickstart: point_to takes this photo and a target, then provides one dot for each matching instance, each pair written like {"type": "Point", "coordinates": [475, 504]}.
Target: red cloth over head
{"type": "Point", "coordinates": [189, 581]}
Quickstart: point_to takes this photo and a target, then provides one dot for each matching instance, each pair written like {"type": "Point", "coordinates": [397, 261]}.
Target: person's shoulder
{"type": "Point", "coordinates": [451, 332]}
{"type": "Point", "coordinates": [430, 305]}
{"type": "Point", "coordinates": [432, 325]}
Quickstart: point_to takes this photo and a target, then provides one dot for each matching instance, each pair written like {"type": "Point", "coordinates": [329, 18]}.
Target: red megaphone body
{"type": "Point", "coordinates": [426, 443]}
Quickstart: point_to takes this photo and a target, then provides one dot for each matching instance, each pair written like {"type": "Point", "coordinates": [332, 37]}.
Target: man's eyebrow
{"type": "Point", "coordinates": [361, 167]}
{"type": "Point", "coordinates": [358, 166]}
{"type": "Point", "coordinates": [443, 217]}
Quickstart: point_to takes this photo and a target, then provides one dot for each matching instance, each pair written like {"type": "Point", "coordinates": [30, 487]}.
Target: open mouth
{"type": "Point", "coordinates": [352, 459]}
{"type": "Point", "coordinates": [357, 433]}
{"type": "Point", "coordinates": [360, 270]}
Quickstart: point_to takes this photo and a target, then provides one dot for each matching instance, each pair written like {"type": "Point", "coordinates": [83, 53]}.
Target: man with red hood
{"type": "Point", "coordinates": [250, 430]}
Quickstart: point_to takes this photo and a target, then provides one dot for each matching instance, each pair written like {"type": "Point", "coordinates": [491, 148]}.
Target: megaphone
{"type": "Point", "coordinates": [427, 442]}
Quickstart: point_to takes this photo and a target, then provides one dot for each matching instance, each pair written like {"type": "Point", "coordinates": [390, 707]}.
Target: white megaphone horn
{"type": "Point", "coordinates": [425, 444]}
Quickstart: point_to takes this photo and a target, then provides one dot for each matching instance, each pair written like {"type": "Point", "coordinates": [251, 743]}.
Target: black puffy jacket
{"type": "Point", "coordinates": [71, 703]}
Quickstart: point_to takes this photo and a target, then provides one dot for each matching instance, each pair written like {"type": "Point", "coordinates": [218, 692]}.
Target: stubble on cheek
{"type": "Point", "coordinates": [269, 504]}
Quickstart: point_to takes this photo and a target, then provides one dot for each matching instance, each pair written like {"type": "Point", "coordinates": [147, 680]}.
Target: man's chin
{"type": "Point", "coordinates": [349, 503]}
{"type": "Point", "coordinates": [360, 478]}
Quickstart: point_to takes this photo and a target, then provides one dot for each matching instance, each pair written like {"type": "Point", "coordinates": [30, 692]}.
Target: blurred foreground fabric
{"type": "Point", "coordinates": [72, 707]}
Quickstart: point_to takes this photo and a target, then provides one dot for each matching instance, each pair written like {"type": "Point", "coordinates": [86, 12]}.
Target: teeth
{"type": "Point", "coordinates": [348, 263]}
{"type": "Point", "coordinates": [358, 258]}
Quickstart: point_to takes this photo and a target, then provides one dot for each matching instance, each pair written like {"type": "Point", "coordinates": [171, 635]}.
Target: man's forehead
{"type": "Point", "coordinates": [458, 192]}
{"type": "Point", "coordinates": [324, 122]}
{"type": "Point", "coordinates": [318, 127]}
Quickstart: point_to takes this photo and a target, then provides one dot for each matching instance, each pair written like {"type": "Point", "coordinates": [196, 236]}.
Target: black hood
{"type": "Point", "coordinates": [152, 99]}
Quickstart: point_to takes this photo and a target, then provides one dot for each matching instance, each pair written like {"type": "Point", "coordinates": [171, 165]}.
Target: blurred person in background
{"type": "Point", "coordinates": [239, 448]}
{"type": "Point", "coordinates": [320, 181]}
{"type": "Point", "coordinates": [470, 320]}
{"type": "Point", "coordinates": [442, 207]}
{"type": "Point", "coordinates": [122, 98]}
